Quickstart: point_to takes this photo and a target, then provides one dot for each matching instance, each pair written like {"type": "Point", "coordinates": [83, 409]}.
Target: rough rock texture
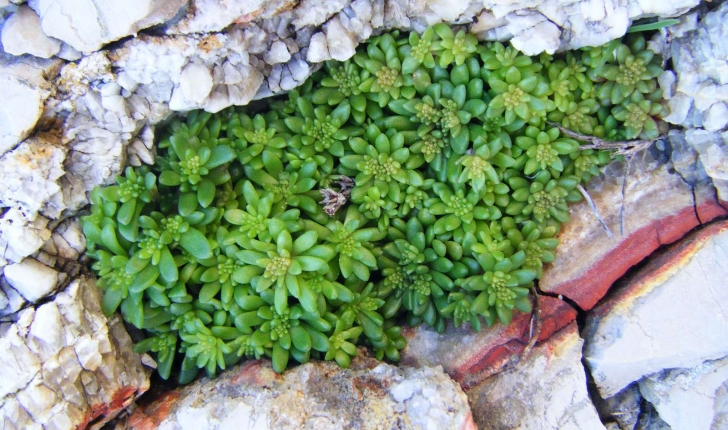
{"type": "Point", "coordinates": [64, 364]}
{"type": "Point", "coordinates": [695, 398]}
{"type": "Point", "coordinates": [671, 314]}
{"type": "Point", "coordinates": [32, 279]}
{"type": "Point", "coordinates": [22, 34]}
{"type": "Point", "coordinates": [24, 87]}
{"type": "Point", "coordinates": [545, 391]}
{"type": "Point", "coordinates": [30, 175]}
{"type": "Point", "coordinates": [317, 395]}
{"type": "Point", "coordinates": [657, 206]}
{"type": "Point", "coordinates": [700, 58]}
{"type": "Point", "coordinates": [87, 25]}
{"type": "Point", "coordinates": [469, 357]}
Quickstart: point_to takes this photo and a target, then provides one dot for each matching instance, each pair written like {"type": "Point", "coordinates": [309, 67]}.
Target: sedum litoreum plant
{"type": "Point", "coordinates": [423, 180]}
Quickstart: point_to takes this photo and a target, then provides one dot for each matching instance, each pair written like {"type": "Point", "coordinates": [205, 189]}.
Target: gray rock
{"type": "Point", "coordinates": [214, 15]}
{"type": "Point", "coordinates": [30, 175]}
{"type": "Point", "coordinates": [637, 333]}
{"type": "Point", "coordinates": [624, 407]}
{"type": "Point", "coordinates": [20, 236]}
{"type": "Point", "coordinates": [700, 58]}
{"type": "Point", "coordinates": [318, 395]}
{"type": "Point", "coordinates": [64, 364]}
{"type": "Point", "coordinates": [545, 391]}
{"type": "Point", "coordinates": [87, 25]}
{"type": "Point", "coordinates": [32, 279]}
{"type": "Point", "coordinates": [712, 149]}
{"type": "Point", "coordinates": [689, 398]}
{"type": "Point", "coordinates": [24, 87]}
{"type": "Point", "coordinates": [22, 34]}
{"type": "Point", "coordinates": [278, 53]}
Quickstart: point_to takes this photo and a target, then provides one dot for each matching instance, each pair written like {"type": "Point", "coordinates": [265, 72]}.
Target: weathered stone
{"type": "Point", "coordinates": [340, 41]}
{"type": "Point", "coordinates": [318, 395]}
{"type": "Point", "coordinates": [65, 365]}
{"type": "Point", "coordinates": [713, 151]}
{"type": "Point", "coordinates": [700, 60]}
{"type": "Point", "coordinates": [30, 175]}
{"type": "Point", "coordinates": [545, 391]}
{"type": "Point", "coordinates": [469, 356]}
{"type": "Point", "coordinates": [662, 318]}
{"type": "Point", "coordinates": [23, 89]}
{"type": "Point", "coordinates": [195, 84]}
{"type": "Point", "coordinates": [657, 207]}
{"type": "Point", "coordinates": [21, 237]}
{"type": "Point", "coordinates": [22, 35]}
{"type": "Point", "coordinates": [32, 279]}
{"type": "Point", "coordinates": [278, 53]}
{"type": "Point", "coordinates": [624, 407]}
{"type": "Point", "coordinates": [205, 16]}
{"type": "Point", "coordinates": [690, 398]}
{"type": "Point", "coordinates": [87, 25]}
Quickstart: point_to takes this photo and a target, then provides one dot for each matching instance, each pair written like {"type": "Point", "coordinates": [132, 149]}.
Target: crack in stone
{"type": "Point", "coordinates": [692, 191]}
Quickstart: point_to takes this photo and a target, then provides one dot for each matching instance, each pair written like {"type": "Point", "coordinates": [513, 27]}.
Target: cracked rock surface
{"type": "Point", "coordinates": [545, 391]}
{"type": "Point", "coordinates": [318, 395]}
{"type": "Point", "coordinates": [679, 362]}
{"type": "Point", "coordinates": [64, 364]}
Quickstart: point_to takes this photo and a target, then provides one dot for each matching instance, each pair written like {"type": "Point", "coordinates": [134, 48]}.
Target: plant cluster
{"type": "Point", "coordinates": [420, 181]}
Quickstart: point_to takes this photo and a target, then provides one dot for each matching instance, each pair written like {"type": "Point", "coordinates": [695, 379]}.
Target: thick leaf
{"type": "Point", "coordinates": [196, 244]}
{"type": "Point", "coordinates": [133, 311]}
{"type": "Point", "coordinates": [144, 279]}
{"type": "Point", "coordinates": [167, 266]}
{"type": "Point", "coordinates": [111, 301]}
{"type": "Point", "coordinates": [220, 155]}
{"type": "Point", "coordinates": [205, 192]}
{"type": "Point", "coordinates": [187, 203]}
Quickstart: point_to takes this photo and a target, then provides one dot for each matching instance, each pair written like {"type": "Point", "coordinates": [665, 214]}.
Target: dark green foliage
{"type": "Point", "coordinates": [418, 182]}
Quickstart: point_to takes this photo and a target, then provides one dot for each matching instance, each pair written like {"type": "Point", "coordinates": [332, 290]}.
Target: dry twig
{"type": "Point", "coordinates": [594, 210]}
{"type": "Point", "coordinates": [535, 330]}
{"type": "Point", "coordinates": [626, 148]}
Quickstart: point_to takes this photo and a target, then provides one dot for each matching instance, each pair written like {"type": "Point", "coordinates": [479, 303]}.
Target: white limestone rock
{"type": "Point", "coordinates": [20, 236]}
{"type": "Point", "coordinates": [716, 117]}
{"type": "Point", "coordinates": [87, 25]}
{"type": "Point", "coordinates": [68, 53]}
{"type": "Point", "coordinates": [195, 84]}
{"type": "Point", "coordinates": [65, 365]}
{"type": "Point", "coordinates": [713, 151]}
{"type": "Point", "coordinates": [22, 34]}
{"type": "Point", "coordinates": [313, 12]}
{"type": "Point", "coordinates": [448, 10]}
{"type": "Point", "coordinates": [639, 331]}
{"type": "Point", "coordinates": [341, 43]}
{"type": "Point", "coordinates": [214, 15]}
{"type": "Point", "coordinates": [690, 399]}
{"type": "Point", "coordinates": [538, 34]}
{"type": "Point", "coordinates": [278, 53]}
{"type": "Point", "coordinates": [30, 176]}
{"type": "Point", "coordinates": [700, 59]}
{"type": "Point", "coordinates": [23, 89]}
{"type": "Point", "coordinates": [318, 395]}
{"type": "Point", "coordinates": [545, 391]}
{"type": "Point", "coordinates": [32, 279]}
{"type": "Point", "coordinates": [318, 50]}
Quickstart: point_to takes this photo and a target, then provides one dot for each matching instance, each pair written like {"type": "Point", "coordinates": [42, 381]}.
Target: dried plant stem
{"type": "Point", "coordinates": [535, 327]}
{"type": "Point", "coordinates": [594, 210]}
{"type": "Point", "coordinates": [626, 148]}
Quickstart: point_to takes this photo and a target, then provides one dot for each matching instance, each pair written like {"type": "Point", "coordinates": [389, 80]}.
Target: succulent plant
{"type": "Point", "coordinates": [248, 238]}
